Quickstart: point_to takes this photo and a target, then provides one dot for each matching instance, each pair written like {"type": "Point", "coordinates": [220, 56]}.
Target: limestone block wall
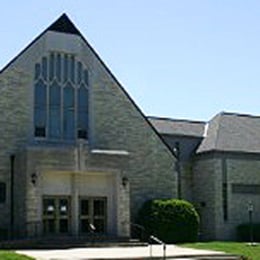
{"type": "Point", "coordinates": [123, 210]}
{"type": "Point", "coordinates": [205, 194]}
{"type": "Point", "coordinates": [242, 170]}
{"type": "Point", "coordinates": [210, 172]}
{"type": "Point", "coordinates": [20, 198]}
{"type": "Point", "coordinates": [118, 124]}
{"type": "Point", "coordinates": [186, 169]}
{"type": "Point", "coordinates": [115, 123]}
{"type": "Point", "coordinates": [73, 171]}
{"type": "Point", "coordinates": [14, 124]}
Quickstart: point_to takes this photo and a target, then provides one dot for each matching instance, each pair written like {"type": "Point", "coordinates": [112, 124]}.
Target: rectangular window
{"type": "Point", "coordinates": [39, 131]}
{"type": "Point", "coordinates": [246, 188]}
{"type": "Point", "coordinates": [224, 189]}
{"type": "Point", "coordinates": [82, 134]}
{"type": "Point", "coordinates": [93, 215]}
{"type": "Point", "coordinates": [2, 192]}
{"type": "Point", "coordinates": [54, 122]}
{"type": "Point", "coordinates": [225, 201]}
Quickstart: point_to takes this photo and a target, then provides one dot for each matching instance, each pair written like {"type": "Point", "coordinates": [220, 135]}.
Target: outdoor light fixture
{"type": "Point", "coordinates": [50, 208]}
{"type": "Point", "coordinates": [124, 181]}
{"type": "Point", "coordinates": [63, 209]}
{"type": "Point", "coordinates": [33, 178]}
{"type": "Point", "coordinates": [250, 209]}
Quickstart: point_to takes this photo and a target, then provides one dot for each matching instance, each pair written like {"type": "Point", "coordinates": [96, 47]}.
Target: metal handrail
{"type": "Point", "coordinates": [156, 239]}
{"type": "Point", "coordinates": [142, 229]}
{"type": "Point", "coordinates": [150, 239]}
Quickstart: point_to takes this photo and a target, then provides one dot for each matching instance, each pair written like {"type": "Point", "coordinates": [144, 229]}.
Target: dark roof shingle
{"type": "Point", "coordinates": [232, 132]}
{"type": "Point", "coordinates": [178, 127]}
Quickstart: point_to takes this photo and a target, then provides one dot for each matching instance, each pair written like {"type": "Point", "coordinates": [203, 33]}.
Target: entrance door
{"type": "Point", "coordinates": [56, 215]}
{"type": "Point", "coordinates": [93, 215]}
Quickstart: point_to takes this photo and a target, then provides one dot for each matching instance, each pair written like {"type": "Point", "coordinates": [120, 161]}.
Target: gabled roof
{"type": "Point", "coordinates": [232, 132]}
{"type": "Point", "coordinates": [64, 25]}
{"type": "Point", "coordinates": [178, 127]}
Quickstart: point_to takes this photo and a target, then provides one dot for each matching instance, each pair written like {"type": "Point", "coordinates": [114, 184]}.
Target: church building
{"type": "Point", "coordinates": [78, 156]}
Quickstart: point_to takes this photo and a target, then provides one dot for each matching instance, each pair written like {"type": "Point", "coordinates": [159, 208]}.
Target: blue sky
{"type": "Point", "coordinates": [185, 59]}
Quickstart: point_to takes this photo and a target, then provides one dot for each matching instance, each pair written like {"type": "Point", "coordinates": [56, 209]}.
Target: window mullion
{"type": "Point", "coordinates": [76, 107]}
{"type": "Point", "coordinates": [62, 112]}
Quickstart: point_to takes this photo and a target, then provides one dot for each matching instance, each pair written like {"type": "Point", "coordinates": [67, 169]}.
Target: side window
{"type": "Point", "coordinates": [2, 192]}
{"type": "Point", "coordinates": [68, 112]}
{"type": "Point", "coordinates": [82, 112]}
{"type": "Point", "coordinates": [40, 109]}
{"type": "Point", "coordinates": [54, 110]}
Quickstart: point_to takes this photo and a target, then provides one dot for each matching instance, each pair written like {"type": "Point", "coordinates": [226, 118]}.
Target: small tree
{"type": "Point", "coordinates": [170, 220]}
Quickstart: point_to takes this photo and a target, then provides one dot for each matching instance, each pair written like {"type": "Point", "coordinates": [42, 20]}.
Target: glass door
{"type": "Point", "coordinates": [56, 215]}
{"type": "Point", "coordinates": [93, 215]}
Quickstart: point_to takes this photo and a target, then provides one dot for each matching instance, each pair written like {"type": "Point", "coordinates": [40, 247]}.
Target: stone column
{"type": "Point", "coordinates": [74, 206]}
{"type": "Point", "coordinates": [123, 208]}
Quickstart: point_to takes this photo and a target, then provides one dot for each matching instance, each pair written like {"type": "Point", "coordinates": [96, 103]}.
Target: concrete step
{"type": "Point", "coordinates": [129, 253]}
{"type": "Point", "coordinates": [219, 257]}
{"type": "Point", "coordinates": [65, 243]}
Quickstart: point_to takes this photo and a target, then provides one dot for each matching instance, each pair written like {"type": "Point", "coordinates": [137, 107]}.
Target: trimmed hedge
{"type": "Point", "coordinates": [243, 232]}
{"type": "Point", "coordinates": [171, 220]}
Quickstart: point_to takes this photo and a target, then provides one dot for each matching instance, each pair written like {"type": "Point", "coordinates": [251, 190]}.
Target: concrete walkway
{"type": "Point", "coordinates": [105, 253]}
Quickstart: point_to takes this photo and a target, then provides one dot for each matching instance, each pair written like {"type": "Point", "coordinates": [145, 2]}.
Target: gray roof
{"type": "Point", "coordinates": [232, 132]}
{"type": "Point", "coordinates": [178, 127]}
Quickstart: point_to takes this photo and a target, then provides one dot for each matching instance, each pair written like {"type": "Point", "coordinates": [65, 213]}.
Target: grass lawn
{"type": "Point", "coordinates": [252, 252]}
{"type": "Point", "coordinates": [9, 255]}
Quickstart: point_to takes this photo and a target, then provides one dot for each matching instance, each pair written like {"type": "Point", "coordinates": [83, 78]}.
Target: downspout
{"type": "Point", "coordinates": [178, 169]}
{"type": "Point", "coordinates": [12, 159]}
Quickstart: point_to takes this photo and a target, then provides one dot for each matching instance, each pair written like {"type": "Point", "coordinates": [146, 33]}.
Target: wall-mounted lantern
{"type": "Point", "coordinates": [34, 178]}
{"type": "Point", "coordinates": [124, 181]}
{"type": "Point", "coordinates": [250, 209]}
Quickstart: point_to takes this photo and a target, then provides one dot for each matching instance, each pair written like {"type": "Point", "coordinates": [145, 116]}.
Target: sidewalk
{"type": "Point", "coordinates": [139, 253]}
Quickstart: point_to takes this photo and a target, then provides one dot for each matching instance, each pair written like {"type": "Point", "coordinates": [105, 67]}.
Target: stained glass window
{"type": "Point", "coordinates": [2, 192]}
{"type": "Point", "coordinates": [40, 109]}
{"type": "Point", "coordinates": [55, 111]}
{"type": "Point", "coordinates": [58, 114]}
{"type": "Point", "coordinates": [69, 113]}
{"type": "Point", "coordinates": [82, 112]}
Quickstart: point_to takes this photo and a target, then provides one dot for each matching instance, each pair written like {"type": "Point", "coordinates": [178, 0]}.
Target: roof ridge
{"type": "Point", "coordinates": [238, 114]}
{"type": "Point", "coordinates": [217, 129]}
{"type": "Point", "coordinates": [177, 120]}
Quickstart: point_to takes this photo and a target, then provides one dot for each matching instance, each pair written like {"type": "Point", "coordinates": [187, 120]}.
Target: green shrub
{"type": "Point", "coordinates": [243, 232]}
{"type": "Point", "coordinates": [171, 220]}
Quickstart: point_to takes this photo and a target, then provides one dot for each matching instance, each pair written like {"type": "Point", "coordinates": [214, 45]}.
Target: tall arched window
{"type": "Point", "coordinates": [61, 98]}
{"type": "Point", "coordinates": [55, 110]}
{"type": "Point", "coordinates": [69, 112]}
{"type": "Point", "coordinates": [82, 112]}
{"type": "Point", "coordinates": [40, 109]}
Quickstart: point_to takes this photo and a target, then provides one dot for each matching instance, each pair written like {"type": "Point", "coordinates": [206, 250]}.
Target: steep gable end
{"type": "Point", "coordinates": [64, 25]}
{"type": "Point", "coordinates": [63, 36]}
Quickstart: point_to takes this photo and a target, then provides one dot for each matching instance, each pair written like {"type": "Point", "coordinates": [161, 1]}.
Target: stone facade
{"type": "Point", "coordinates": [121, 145]}
{"type": "Point", "coordinates": [211, 172]}
{"type": "Point", "coordinates": [204, 195]}
{"type": "Point", "coordinates": [126, 159]}
{"type": "Point", "coordinates": [218, 168]}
